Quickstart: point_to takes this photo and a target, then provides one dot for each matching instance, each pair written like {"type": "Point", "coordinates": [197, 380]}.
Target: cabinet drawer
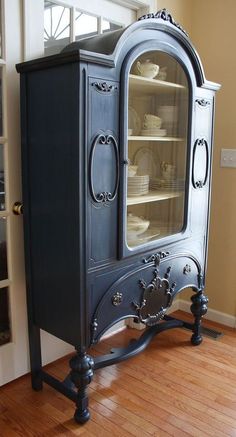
{"type": "Point", "coordinates": [146, 292]}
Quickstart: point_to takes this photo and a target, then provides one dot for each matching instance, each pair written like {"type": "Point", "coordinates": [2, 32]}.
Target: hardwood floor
{"type": "Point", "coordinates": [172, 388]}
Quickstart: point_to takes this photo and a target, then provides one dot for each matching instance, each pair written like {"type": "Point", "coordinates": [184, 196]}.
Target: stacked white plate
{"type": "Point", "coordinates": [166, 227]}
{"type": "Point", "coordinates": [169, 185]}
{"type": "Point", "coordinates": [138, 185]}
{"type": "Point", "coordinates": [154, 132]}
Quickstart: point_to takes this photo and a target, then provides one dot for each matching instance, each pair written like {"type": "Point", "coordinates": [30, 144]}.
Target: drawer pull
{"type": "Point", "coordinates": [117, 299]}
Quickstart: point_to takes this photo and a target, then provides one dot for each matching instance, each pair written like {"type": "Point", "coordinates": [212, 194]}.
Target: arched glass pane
{"type": "Point", "coordinates": [157, 148]}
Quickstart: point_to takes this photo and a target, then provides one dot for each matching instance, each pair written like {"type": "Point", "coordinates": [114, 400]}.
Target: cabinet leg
{"type": "Point", "coordinates": [198, 308]}
{"type": "Point", "coordinates": [81, 375]}
{"type": "Point", "coordinates": [35, 357]}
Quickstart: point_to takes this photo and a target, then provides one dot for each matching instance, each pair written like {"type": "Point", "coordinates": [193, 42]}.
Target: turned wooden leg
{"type": "Point", "coordinates": [198, 308]}
{"type": "Point", "coordinates": [81, 375]}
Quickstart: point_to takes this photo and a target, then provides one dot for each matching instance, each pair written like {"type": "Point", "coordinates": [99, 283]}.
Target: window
{"type": "Point", "coordinates": [85, 25]}
{"type": "Point", "coordinates": [56, 27]}
{"type": "Point", "coordinates": [108, 26]}
{"type": "Point", "coordinates": [63, 25]}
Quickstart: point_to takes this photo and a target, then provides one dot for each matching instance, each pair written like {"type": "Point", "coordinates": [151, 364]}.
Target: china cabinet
{"type": "Point", "coordinates": [116, 155]}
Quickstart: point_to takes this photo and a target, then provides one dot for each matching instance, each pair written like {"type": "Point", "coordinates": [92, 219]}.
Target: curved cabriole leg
{"type": "Point", "coordinates": [81, 375]}
{"type": "Point", "coordinates": [198, 308]}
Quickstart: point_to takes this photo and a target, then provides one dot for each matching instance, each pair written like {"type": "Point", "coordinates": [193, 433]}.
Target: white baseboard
{"type": "Point", "coordinates": [120, 326]}
{"type": "Point", "coordinates": [178, 304]}
{"type": "Point", "coordinates": [213, 315]}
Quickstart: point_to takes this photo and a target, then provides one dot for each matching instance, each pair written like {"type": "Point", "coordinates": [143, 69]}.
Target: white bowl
{"type": "Point", "coordinates": [136, 225]}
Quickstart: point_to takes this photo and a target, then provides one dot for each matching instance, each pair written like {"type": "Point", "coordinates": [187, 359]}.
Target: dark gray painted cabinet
{"type": "Point", "coordinates": [116, 164]}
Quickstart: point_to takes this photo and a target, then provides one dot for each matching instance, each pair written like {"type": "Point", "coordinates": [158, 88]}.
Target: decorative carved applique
{"type": "Point", "coordinates": [104, 87]}
{"type": "Point", "coordinates": [104, 197]}
{"type": "Point", "coordinates": [200, 281]}
{"type": "Point", "coordinates": [163, 14]}
{"type": "Point", "coordinates": [117, 299]}
{"type": "Point", "coordinates": [156, 258]}
{"type": "Point", "coordinates": [157, 297]}
{"type": "Point", "coordinates": [203, 102]}
{"type": "Point", "coordinates": [187, 269]}
{"type": "Point", "coordinates": [94, 327]}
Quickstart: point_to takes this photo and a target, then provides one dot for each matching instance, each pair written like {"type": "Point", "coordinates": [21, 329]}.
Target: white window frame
{"type": "Point", "coordinates": [33, 13]}
{"type": "Point", "coordinates": [75, 9]}
{"type": "Point", "coordinates": [6, 283]}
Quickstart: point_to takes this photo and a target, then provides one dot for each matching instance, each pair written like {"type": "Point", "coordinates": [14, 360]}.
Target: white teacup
{"type": "Point", "coordinates": [151, 121]}
{"type": "Point", "coordinates": [147, 69]}
{"type": "Point", "coordinates": [167, 170]}
{"type": "Point", "coordinates": [132, 170]}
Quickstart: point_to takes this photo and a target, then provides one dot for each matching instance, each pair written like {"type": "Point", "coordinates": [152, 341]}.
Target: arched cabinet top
{"type": "Point", "coordinates": [110, 48]}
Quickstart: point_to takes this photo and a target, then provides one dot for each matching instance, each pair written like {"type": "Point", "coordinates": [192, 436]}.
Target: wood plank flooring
{"type": "Point", "coordinates": [171, 389]}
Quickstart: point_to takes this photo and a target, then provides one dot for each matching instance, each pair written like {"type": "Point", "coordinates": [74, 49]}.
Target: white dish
{"type": "Point", "coordinates": [134, 121]}
{"type": "Point", "coordinates": [146, 162]}
{"type": "Point", "coordinates": [140, 178]}
{"type": "Point", "coordinates": [153, 132]}
{"type": "Point", "coordinates": [136, 225]}
{"type": "Point", "coordinates": [142, 193]}
{"type": "Point", "coordinates": [150, 234]}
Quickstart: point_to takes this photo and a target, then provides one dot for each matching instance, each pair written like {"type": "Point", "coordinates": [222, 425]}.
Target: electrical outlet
{"type": "Point", "coordinates": [228, 158]}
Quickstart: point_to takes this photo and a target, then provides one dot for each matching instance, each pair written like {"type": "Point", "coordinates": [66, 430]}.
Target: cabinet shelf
{"type": "Point", "coordinates": [147, 138]}
{"type": "Point", "coordinates": [146, 85]}
{"type": "Point", "coordinates": [153, 196]}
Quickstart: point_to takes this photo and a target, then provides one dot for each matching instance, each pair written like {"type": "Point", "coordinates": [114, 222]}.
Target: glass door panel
{"type": "Point", "coordinates": [157, 148]}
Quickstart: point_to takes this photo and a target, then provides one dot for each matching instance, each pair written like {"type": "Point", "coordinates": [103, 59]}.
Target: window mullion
{"type": "Point", "coordinates": [99, 25]}
{"type": "Point", "coordinates": [72, 24]}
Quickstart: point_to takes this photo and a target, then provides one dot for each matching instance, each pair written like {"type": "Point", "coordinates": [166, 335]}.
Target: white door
{"type": "Point", "coordinates": [32, 28]}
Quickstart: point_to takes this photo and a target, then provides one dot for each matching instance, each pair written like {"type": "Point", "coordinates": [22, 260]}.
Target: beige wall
{"type": "Point", "coordinates": [214, 37]}
{"type": "Point", "coordinates": [181, 10]}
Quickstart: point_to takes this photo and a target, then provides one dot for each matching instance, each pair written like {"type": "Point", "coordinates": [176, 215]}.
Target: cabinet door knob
{"type": "Point", "coordinates": [17, 208]}
{"type": "Point", "coordinates": [126, 162]}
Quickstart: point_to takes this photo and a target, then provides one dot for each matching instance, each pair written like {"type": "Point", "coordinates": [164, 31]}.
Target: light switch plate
{"type": "Point", "coordinates": [228, 158]}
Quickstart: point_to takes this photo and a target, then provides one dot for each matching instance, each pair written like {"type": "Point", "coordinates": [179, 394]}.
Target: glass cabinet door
{"type": "Point", "coordinates": [157, 148]}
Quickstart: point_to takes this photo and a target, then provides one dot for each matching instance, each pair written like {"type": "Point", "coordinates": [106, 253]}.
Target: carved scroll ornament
{"type": "Point", "coordinates": [156, 298]}
{"type": "Point", "coordinates": [163, 14]}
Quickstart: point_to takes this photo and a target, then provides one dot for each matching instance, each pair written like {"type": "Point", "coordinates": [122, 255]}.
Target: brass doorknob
{"type": "Point", "coordinates": [18, 208]}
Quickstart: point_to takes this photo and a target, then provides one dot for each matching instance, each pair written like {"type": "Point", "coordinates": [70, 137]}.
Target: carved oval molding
{"type": "Point", "coordinates": [200, 163]}
{"type": "Point", "coordinates": [104, 196]}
